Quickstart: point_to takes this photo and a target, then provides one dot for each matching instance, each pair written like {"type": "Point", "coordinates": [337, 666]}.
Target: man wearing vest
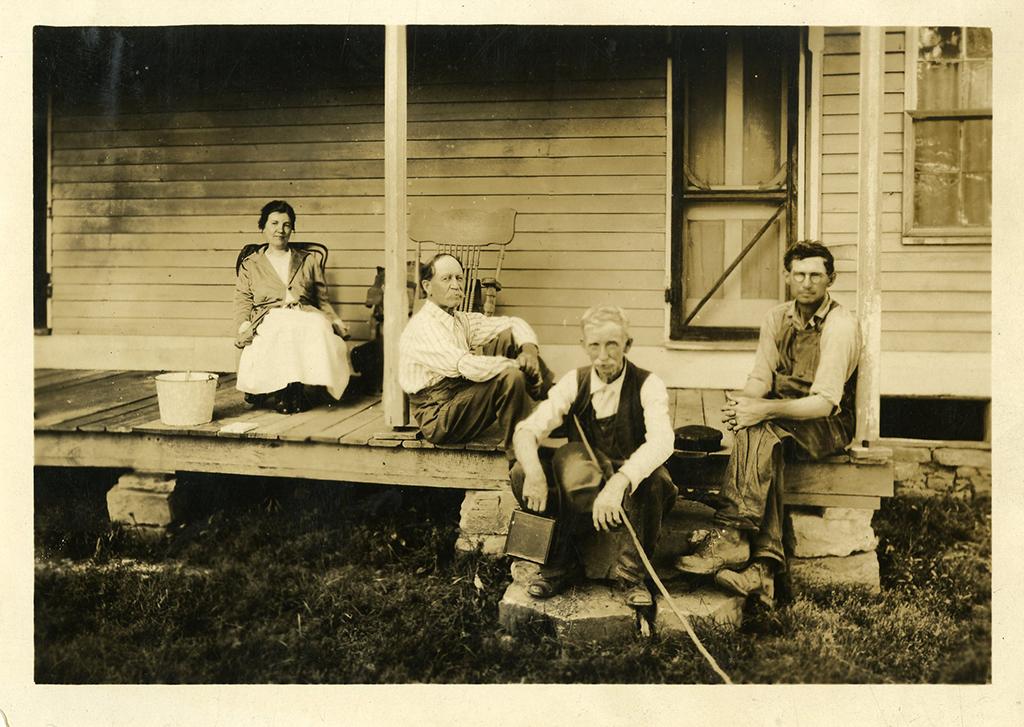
{"type": "Point", "coordinates": [800, 391]}
{"type": "Point", "coordinates": [622, 411]}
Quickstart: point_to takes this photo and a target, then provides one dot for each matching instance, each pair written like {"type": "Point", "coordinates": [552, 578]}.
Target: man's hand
{"type": "Point", "coordinates": [529, 361]}
{"type": "Point", "coordinates": [535, 490]}
{"type": "Point", "coordinates": [740, 412]}
{"type": "Point", "coordinates": [608, 510]}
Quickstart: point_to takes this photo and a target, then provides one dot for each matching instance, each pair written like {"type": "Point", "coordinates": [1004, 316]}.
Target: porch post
{"type": "Point", "coordinates": [815, 46]}
{"type": "Point", "coordinates": [396, 303]}
{"type": "Point", "coordinates": [869, 240]}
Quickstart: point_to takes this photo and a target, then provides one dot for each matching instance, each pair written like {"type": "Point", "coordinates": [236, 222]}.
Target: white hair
{"type": "Point", "coordinates": [605, 314]}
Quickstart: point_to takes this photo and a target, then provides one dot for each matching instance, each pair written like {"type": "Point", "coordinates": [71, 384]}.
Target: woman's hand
{"type": "Point", "coordinates": [340, 329]}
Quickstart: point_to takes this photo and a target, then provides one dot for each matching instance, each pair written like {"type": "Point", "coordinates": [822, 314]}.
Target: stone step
{"type": "Point", "coordinates": [594, 610]}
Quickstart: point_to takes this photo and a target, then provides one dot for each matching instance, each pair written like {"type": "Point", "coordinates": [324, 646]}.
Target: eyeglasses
{"type": "Point", "coordinates": [815, 277]}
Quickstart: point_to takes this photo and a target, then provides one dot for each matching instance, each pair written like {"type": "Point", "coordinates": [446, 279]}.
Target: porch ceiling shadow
{"type": "Point", "coordinates": [110, 68]}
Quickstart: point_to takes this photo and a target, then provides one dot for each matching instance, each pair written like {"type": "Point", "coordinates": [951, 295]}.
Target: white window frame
{"type": "Point", "coordinates": [928, 235]}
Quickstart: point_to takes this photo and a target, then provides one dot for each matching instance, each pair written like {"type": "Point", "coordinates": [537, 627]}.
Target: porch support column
{"type": "Point", "coordinates": [815, 48]}
{"type": "Point", "coordinates": [396, 302]}
{"type": "Point", "coordinates": [869, 239]}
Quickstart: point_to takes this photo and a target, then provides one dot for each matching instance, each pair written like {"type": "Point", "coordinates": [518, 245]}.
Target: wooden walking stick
{"type": "Point", "coordinates": [650, 570]}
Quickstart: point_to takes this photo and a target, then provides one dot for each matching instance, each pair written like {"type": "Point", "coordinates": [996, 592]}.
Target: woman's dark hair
{"type": "Point", "coordinates": [803, 250]}
{"type": "Point", "coordinates": [276, 205]}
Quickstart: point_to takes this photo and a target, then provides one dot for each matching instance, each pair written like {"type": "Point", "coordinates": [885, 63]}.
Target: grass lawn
{"type": "Point", "coordinates": [293, 581]}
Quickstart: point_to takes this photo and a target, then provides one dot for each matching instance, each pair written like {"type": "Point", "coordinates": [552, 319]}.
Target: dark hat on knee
{"type": "Point", "coordinates": [576, 476]}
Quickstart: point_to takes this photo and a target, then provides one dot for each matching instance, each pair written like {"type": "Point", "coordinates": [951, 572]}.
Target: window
{"type": "Point", "coordinates": [948, 136]}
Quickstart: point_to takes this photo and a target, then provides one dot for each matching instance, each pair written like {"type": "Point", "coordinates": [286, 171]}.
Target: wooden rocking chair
{"type": "Point", "coordinates": [466, 234]}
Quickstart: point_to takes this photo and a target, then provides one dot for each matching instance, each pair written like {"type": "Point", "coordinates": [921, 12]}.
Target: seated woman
{"type": "Point", "coordinates": [288, 332]}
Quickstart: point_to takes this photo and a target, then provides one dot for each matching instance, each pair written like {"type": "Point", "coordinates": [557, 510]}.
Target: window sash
{"type": "Point", "coordinates": [967, 181]}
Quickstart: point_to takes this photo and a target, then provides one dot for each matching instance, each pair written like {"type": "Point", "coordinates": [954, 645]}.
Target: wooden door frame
{"type": "Point", "coordinates": [674, 292]}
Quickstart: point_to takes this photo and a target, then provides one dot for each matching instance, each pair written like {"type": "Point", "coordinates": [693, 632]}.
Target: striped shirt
{"type": "Point", "coordinates": [436, 346]}
{"type": "Point", "coordinates": [659, 442]}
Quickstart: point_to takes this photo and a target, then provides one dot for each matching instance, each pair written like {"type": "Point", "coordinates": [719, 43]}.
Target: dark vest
{"type": "Point", "coordinates": [799, 353]}
{"type": "Point", "coordinates": [618, 436]}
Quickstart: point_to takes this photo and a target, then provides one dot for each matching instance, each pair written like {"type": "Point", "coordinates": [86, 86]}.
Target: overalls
{"type": "Point", "coordinates": [752, 489]}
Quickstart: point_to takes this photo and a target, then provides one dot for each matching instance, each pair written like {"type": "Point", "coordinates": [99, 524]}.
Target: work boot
{"type": "Point", "coordinates": [757, 579]}
{"type": "Point", "coordinates": [721, 548]}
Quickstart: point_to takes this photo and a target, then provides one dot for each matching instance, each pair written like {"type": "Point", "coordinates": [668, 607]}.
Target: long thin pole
{"type": "Point", "coordinates": [650, 570]}
{"type": "Point", "coordinates": [395, 235]}
{"type": "Point", "coordinates": [668, 599]}
{"type": "Point", "coordinates": [869, 237]}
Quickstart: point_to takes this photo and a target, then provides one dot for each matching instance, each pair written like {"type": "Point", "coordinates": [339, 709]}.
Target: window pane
{"type": "Point", "coordinates": [977, 145]}
{"type": "Point", "coordinates": [977, 92]}
{"type": "Point", "coordinates": [706, 108]}
{"type": "Point", "coordinates": [936, 199]}
{"type": "Point", "coordinates": [704, 257]}
{"type": "Point", "coordinates": [760, 268]}
{"type": "Point", "coordinates": [762, 108]}
{"type": "Point", "coordinates": [938, 85]}
{"type": "Point", "coordinates": [938, 43]}
{"type": "Point", "coordinates": [978, 199]}
{"type": "Point", "coordinates": [979, 42]}
{"type": "Point", "coordinates": [937, 146]}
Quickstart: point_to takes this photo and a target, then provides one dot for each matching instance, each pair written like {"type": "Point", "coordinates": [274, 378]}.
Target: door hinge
{"type": "Point", "coordinates": [670, 296]}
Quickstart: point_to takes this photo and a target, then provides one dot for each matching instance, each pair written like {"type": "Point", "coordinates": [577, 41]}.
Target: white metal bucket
{"type": "Point", "coordinates": [186, 398]}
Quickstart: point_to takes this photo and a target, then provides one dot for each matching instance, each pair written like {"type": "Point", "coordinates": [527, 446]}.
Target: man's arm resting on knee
{"type": "Point", "coordinates": [535, 483]}
{"type": "Point", "coordinates": [542, 421]}
{"type": "Point", "coordinates": [742, 411]}
{"type": "Point", "coordinates": [529, 359]}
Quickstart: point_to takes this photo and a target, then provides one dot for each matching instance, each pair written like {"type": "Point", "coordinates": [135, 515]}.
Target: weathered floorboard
{"type": "Point", "coordinates": [91, 397]}
{"type": "Point", "coordinates": [350, 424]}
{"type": "Point", "coordinates": [688, 409]}
{"type": "Point", "coordinates": [326, 417]}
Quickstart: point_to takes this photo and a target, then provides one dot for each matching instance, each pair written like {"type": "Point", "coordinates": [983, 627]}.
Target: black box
{"type": "Point", "coordinates": [529, 536]}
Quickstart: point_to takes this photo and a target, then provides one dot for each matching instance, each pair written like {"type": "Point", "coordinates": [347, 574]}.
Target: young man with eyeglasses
{"type": "Point", "coordinates": [800, 394]}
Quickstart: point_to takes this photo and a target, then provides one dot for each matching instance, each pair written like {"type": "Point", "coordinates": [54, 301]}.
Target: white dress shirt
{"type": "Point", "coordinates": [659, 442]}
{"type": "Point", "coordinates": [435, 346]}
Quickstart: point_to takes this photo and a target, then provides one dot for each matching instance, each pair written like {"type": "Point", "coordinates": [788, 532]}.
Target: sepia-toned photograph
{"type": "Point", "coordinates": [493, 354]}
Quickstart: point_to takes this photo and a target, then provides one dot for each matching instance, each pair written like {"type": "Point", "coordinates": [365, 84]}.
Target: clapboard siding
{"type": "Point", "coordinates": [601, 231]}
{"type": "Point", "coordinates": [150, 208]}
{"type": "Point", "coordinates": [931, 300]}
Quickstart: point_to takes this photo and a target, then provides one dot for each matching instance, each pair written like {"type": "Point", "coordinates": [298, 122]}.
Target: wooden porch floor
{"type": "Point", "coordinates": [111, 419]}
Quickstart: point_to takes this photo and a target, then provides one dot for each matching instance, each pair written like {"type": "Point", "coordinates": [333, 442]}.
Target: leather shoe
{"type": "Point", "coordinates": [256, 401]}
{"type": "Point", "coordinates": [636, 595]}
{"type": "Point", "coordinates": [547, 586]}
{"type": "Point", "coordinates": [757, 579]}
{"type": "Point", "coordinates": [721, 548]}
